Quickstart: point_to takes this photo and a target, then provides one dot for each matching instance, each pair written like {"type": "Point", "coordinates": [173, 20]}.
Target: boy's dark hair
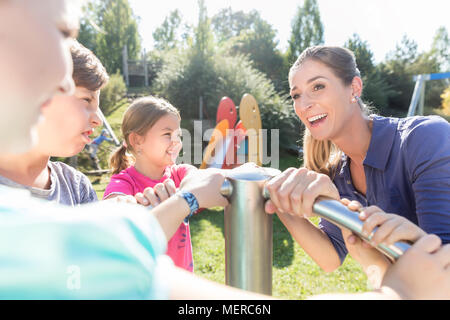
{"type": "Point", "coordinates": [88, 71]}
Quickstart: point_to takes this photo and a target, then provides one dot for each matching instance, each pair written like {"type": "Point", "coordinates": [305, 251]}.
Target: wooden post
{"type": "Point", "coordinates": [125, 65]}
{"type": "Point", "coordinates": [144, 63]}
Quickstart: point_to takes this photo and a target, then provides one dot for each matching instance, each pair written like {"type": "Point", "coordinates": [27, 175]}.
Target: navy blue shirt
{"type": "Point", "coordinates": [407, 168]}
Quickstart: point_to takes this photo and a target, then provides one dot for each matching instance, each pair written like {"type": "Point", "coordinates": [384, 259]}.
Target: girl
{"type": "Point", "coordinates": [152, 135]}
{"type": "Point", "coordinates": [401, 165]}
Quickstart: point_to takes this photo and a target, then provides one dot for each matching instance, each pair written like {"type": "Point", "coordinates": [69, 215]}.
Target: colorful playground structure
{"type": "Point", "coordinates": [233, 142]}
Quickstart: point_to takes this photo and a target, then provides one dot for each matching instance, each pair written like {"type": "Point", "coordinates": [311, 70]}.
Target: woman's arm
{"type": "Point", "coordinates": [292, 195]}
{"type": "Point", "coordinates": [314, 241]}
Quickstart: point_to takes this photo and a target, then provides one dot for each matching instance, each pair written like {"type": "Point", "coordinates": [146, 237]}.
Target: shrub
{"type": "Point", "coordinates": [112, 93]}
{"type": "Point", "coordinates": [184, 79]}
{"type": "Point", "coordinates": [446, 101]}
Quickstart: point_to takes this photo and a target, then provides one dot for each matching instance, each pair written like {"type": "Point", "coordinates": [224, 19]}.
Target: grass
{"type": "Point", "coordinates": [295, 274]}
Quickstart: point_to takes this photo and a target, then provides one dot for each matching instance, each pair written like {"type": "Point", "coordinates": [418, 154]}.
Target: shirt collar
{"type": "Point", "coordinates": [383, 134]}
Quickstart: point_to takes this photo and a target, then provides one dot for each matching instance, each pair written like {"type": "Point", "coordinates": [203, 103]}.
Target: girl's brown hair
{"type": "Point", "coordinates": [324, 156]}
{"type": "Point", "coordinates": [140, 116]}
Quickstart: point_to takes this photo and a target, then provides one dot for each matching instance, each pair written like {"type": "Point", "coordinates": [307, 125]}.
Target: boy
{"type": "Point", "coordinates": [68, 122]}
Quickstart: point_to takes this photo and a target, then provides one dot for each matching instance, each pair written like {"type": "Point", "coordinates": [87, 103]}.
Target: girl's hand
{"type": "Point", "coordinates": [391, 227]}
{"type": "Point", "coordinates": [205, 185]}
{"type": "Point", "coordinates": [295, 190]}
{"type": "Point", "coordinates": [159, 193]}
{"type": "Point", "coordinates": [122, 199]}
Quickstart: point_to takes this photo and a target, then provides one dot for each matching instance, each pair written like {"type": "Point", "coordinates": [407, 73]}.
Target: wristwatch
{"type": "Point", "coordinates": [191, 200]}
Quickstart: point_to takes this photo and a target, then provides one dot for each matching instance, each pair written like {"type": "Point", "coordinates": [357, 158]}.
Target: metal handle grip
{"type": "Point", "coordinates": [339, 214]}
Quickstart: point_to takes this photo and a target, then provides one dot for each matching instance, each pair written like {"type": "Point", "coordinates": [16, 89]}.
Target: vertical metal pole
{"type": "Point", "coordinates": [422, 99]}
{"type": "Point", "coordinates": [248, 239]}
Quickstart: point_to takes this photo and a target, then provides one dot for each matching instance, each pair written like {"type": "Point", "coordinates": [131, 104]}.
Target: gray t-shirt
{"type": "Point", "coordinates": [68, 186]}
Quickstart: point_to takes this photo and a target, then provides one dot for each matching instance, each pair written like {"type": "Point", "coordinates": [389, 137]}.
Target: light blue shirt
{"type": "Point", "coordinates": [407, 168]}
{"type": "Point", "coordinates": [96, 251]}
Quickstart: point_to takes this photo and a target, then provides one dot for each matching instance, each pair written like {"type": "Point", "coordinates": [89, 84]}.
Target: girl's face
{"type": "Point", "coordinates": [162, 143]}
{"type": "Point", "coordinates": [321, 100]}
{"type": "Point", "coordinates": [68, 123]}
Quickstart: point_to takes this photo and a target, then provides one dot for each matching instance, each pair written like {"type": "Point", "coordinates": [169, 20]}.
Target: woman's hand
{"type": "Point", "coordinates": [205, 185]}
{"type": "Point", "coordinates": [159, 193]}
{"type": "Point", "coordinates": [295, 190]}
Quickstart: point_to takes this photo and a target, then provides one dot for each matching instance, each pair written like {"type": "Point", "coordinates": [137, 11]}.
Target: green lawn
{"type": "Point", "coordinates": [295, 275]}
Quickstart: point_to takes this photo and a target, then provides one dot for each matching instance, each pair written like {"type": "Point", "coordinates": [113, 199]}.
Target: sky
{"type": "Point", "coordinates": [382, 23]}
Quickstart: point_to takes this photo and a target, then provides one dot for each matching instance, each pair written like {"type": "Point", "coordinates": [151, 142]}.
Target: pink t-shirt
{"type": "Point", "coordinates": [130, 182]}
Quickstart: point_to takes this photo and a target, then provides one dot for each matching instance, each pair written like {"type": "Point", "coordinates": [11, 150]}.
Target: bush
{"type": "Point", "coordinates": [446, 102]}
{"type": "Point", "coordinates": [112, 93]}
{"type": "Point", "coordinates": [184, 79]}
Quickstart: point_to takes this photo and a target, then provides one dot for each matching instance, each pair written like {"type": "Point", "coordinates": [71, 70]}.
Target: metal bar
{"type": "Point", "coordinates": [439, 76]}
{"type": "Point", "coordinates": [339, 214]}
{"type": "Point", "coordinates": [108, 127]}
{"type": "Point", "coordinates": [416, 96]}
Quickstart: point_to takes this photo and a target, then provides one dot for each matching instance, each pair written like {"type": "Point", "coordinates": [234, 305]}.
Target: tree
{"type": "Point", "coordinates": [307, 30]}
{"type": "Point", "coordinates": [120, 28]}
{"type": "Point", "coordinates": [89, 22]}
{"type": "Point", "coordinates": [376, 90]}
{"type": "Point", "coordinates": [441, 49]}
{"type": "Point", "coordinates": [363, 54]}
{"type": "Point", "coordinates": [166, 36]}
{"type": "Point", "coordinates": [399, 68]}
{"type": "Point", "coordinates": [247, 33]}
{"type": "Point", "coordinates": [446, 102]}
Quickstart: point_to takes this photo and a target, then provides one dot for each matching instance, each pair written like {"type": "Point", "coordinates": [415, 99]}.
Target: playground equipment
{"type": "Point", "coordinates": [224, 153]}
{"type": "Point", "coordinates": [249, 233]}
{"type": "Point", "coordinates": [251, 119]}
{"type": "Point", "coordinates": [248, 230]}
{"type": "Point", "coordinates": [215, 143]}
{"type": "Point", "coordinates": [418, 97]}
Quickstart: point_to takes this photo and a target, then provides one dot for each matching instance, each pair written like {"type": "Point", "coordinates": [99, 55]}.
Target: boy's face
{"type": "Point", "coordinates": [68, 122]}
{"type": "Point", "coordinates": [35, 64]}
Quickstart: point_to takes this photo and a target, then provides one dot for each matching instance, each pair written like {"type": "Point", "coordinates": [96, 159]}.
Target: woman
{"type": "Point", "coordinates": [401, 165]}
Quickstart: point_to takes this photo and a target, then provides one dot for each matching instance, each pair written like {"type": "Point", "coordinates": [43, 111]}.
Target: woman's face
{"type": "Point", "coordinates": [321, 100]}
{"type": "Point", "coordinates": [35, 64]}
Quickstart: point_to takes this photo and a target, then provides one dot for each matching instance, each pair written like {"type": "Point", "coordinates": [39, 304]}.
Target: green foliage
{"type": "Point", "coordinates": [441, 48]}
{"type": "Point", "coordinates": [446, 101]}
{"type": "Point", "coordinates": [165, 36]}
{"type": "Point", "coordinates": [181, 83]}
{"type": "Point", "coordinates": [307, 30]}
{"type": "Point", "coordinates": [119, 26]}
{"type": "Point", "coordinates": [112, 93]}
{"type": "Point", "coordinates": [249, 34]}
{"type": "Point", "coordinates": [376, 91]}
{"type": "Point", "coordinates": [399, 68]}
